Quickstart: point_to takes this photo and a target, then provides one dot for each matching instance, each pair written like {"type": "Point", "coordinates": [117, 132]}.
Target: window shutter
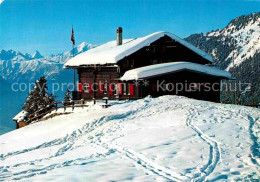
{"type": "Point", "coordinates": [111, 87]}
{"type": "Point", "coordinates": [120, 88]}
{"type": "Point", "coordinates": [131, 86]}
{"type": "Point", "coordinates": [101, 88]}
{"type": "Point", "coordinates": [89, 87]}
{"type": "Point", "coordinates": [80, 88]}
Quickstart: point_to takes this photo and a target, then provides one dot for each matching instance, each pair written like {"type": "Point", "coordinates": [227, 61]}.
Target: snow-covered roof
{"type": "Point", "coordinates": [110, 53]}
{"type": "Point", "coordinates": [20, 116]}
{"type": "Point", "coordinates": [164, 68]}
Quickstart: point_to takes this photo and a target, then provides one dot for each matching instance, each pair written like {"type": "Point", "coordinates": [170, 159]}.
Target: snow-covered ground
{"type": "Point", "coordinates": [169, 138]}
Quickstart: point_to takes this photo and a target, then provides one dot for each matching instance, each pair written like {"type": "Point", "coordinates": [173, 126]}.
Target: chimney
{"type": "Point", "coordinates": [119, 36]}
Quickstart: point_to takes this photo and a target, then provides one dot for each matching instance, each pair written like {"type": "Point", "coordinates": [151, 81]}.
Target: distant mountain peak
{"type": "Point", "coordinates": [84, 46]}
{"type": "Point", "coordinates": [234, 44]}
{"type": "Point", "coordinates": [13, 55]}
{"type": "Point", "coordinates": [37, 55]}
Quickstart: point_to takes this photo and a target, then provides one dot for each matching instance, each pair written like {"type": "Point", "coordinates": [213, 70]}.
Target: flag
{"type": "Point", "coordinates": [72, 37]}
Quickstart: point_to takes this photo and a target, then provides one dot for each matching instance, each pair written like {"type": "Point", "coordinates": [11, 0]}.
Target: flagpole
{"type": "Point", "coordinates": [74, 77]}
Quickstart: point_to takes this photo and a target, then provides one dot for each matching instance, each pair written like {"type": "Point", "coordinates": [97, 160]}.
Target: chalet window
{"type": "Point", "coordinates": [105, 88]}
{"type": "Point", "coordinates": [115, 89]}
{"type": "Point", "coordinates": [87, 87]}
{"type": "Point", "coordinates": [125, 89]}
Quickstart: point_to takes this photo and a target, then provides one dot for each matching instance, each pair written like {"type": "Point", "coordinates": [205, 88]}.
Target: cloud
{"type": "Point", "coordinates": [1, 1]}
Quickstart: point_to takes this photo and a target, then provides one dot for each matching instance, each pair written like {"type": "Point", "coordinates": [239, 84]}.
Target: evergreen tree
{"type": "Point", "coordinates": [38, 100]}
{"type": "Point", "coordinates": [67, 96]}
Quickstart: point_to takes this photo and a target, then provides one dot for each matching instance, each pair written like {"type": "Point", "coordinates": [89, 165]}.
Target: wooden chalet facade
{"type": "Point", "coordinates": [104, 71]}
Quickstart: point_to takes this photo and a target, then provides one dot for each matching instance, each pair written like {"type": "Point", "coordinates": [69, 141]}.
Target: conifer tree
{"type": "Point", "coordinates": [67, 96]}
{"type": "Point", "coordinates": [38, 99]}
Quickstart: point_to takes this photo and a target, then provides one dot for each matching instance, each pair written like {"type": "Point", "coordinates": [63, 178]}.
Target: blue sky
{"type": "Point", "coordinates": [45, 25]}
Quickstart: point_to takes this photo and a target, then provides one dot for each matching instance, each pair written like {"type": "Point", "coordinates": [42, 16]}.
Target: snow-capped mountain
{"type": "Point", "coordinates": [62, 58]}
{"type": "Point", "coordinates": [82, 48]}
{"type": "Point", "coordinates": [236, 48]}
{"type": "Point", "coordinates": [235, 43]}
{"type": "Point", "coordinates": [170, 138]}
{"type": "Point", "coordinates": [18, 67]}
{"type": "Point", "coordinates": [245, 31]}
{"type": "Point", "coordinates": [37, 55]}
{"type": "Point", "coordinates": [14, 55]}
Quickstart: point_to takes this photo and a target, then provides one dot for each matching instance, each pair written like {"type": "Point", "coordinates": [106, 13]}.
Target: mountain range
{"type": "Point", "coordinates": [18, 67]}
{"type": "Point", "coordinates": [236, 48]}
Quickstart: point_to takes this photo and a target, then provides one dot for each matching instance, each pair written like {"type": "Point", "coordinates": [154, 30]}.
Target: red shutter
{"type": "Point", "coordinates": [90, 88]}
{"type": "Point", "coordinates": [131, 86]}
{"type": "Point", "coordinates": [111, 86]}
{"type": "Point", "coordinates": [120, 88]}
{"type": "Point", "coordinates": [101, 88]}
{"type": "Point", "coordinates": [80, 88]}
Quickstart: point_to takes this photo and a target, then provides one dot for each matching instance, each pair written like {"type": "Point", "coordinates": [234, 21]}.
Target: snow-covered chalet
{"type": "Point", "coordinates": [157, 64]}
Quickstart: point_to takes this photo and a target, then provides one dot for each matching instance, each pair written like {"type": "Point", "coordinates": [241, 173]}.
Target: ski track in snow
{"type": "Point", "coordinates": [75, 135]}
{"type": "Point", "coordinates": [255, 148]}
{"type": "Point", "coordinates": [214, 155]}
{"type": "Point", "coordinates": [140, 159]}
{"type": "Point", "coordinates": [69, 142]}
{"type": "Point", "coordinates": [146, 163]}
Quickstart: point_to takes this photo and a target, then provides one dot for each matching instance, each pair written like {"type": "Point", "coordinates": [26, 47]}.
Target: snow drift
{"type": "Point", "coordinates": [169, 138]}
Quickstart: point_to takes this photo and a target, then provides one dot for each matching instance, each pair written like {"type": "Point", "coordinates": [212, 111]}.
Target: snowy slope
{"type": "Point", "coordinates": [168, 138]}
{"type": "Point", "coordinates": [246, 37]}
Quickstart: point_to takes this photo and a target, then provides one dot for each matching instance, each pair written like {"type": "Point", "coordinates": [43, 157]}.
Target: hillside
{"type": "Point", "coordinates": [236, 48]}
{"type": "Point", "coordinates": [152, 139]}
